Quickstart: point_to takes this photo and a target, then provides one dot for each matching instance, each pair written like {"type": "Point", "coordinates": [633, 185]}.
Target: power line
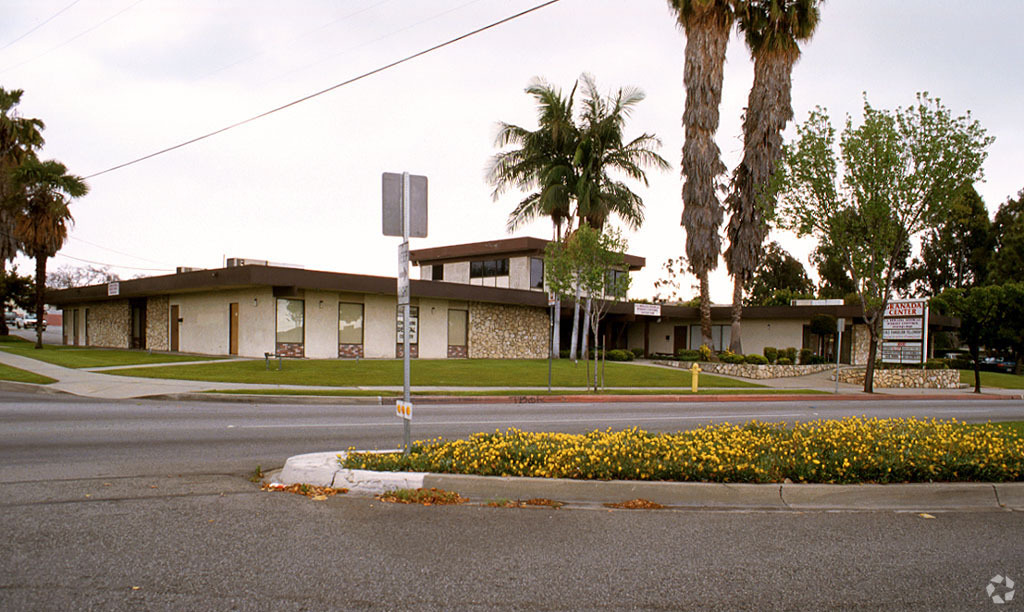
{"type": "Point", "coordinates": [100, 246]}
{"type": "Point", "coordinates": [48, 20]}
{"type": "Point", "coordinates": [110, 265]}
{"type": "Point", "coordinates": [329, 89]}
{"type": "Point", "coordinates": [74, 38]}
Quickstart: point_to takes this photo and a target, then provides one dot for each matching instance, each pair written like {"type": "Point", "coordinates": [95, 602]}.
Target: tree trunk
{"type": "Point", "coordinates": [869, 372]}
{"type": "Point", "coordinates": [705, 313]}
{"type": "Point", "coordinates": [597, 348]}
{"type": "Point", "coordinates": [735, 342]}
{"type": "Point", "coordinates": [976, 358]}
{"type": "Point", "coordinates": [584, 345]}
{"type": "Point", "coordinates": [4, 331]}
{"type": "Point", "coordinates": [573, 341]}
{"type": "Point", "coordinates": [40, 292]}
{"type": "Point", "coordinates": [556, 337]}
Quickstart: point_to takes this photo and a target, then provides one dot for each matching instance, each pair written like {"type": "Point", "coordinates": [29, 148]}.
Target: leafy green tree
{"type": "Point", "coordinates": [956, 253]}
{"type": "Point", "coordinates": [777, 271]}
{"type": "Point", "coordinates": [41, 225]}
{"type": "Point", "coordinates": [707, 24]}
{"type": "Point", "coordinates": [978, 309]}
{"type": "Point", "coordinates": [893, 177]}
{"type": "Point", "coordinates": [1009, 335]}
{"type": "Point", "coordinates": [773, 30]}
{"type": "Point", "coordinates": [20, 290]}
{"type": "Point", "coordinates": [19, 138]}
{"type": "Point", "coordinates": [590, 263]}
{"type": "Point", "coordinates": [1007, 262]}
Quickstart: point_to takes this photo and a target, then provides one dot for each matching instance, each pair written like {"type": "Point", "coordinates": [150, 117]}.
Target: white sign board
{"type": "Point", "coordinates": [902, 352]}
{"type": "Point", "coordinates": [648, 310]}
{"type": "Point", "coordinates": [114, 288]}
{"type": "Point", "coordinates": [905, 308]}
{"type": "Point", "coordinates": [413, 327]}
{"type": "Point", "coordinates": [903, 328]}
{"type": "Point", "coordinates": [403, 273]}
{"type": "Point", "coordinates": [905, 320]}
{"type": "Point", "coordinates": [403, 410]}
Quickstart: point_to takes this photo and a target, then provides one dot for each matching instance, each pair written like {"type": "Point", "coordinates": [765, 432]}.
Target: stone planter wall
{"type": "Point", "coordinates": [498, 331]}
{"type": "Point", "coordinates": [757, 372]}
{"type": "Point", "coordinates": [905, 379]}
{"type": "Point", "coordinates": [109, 324]}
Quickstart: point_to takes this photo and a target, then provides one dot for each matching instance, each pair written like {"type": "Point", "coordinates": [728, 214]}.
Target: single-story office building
{"type": "Point", "coordinates": [480, 300]}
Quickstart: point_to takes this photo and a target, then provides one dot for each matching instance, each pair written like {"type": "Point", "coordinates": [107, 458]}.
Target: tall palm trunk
{"type": "Point", "coordinates": [586, 330]}
{"type": "Point", "coordinates": [4, 331]}
{"type": "Point", "coordinates": [769, 108]}
{"type": "Point", "coordinates": [707, 35]}
{"type": "Point", "coordinates": [575, 324]}
{"type": "Point", "coordinates": [40, 293]}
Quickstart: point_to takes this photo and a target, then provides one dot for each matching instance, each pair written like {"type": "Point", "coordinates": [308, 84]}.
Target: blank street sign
{"type": "Point", "coordinates": [391, 188]}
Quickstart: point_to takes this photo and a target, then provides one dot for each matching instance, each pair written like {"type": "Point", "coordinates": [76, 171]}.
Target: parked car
{"type": "Point", "coordinates": [30, 322]}
{"type": "Point", "coordinates": [12, 319]}
{"type": "Point", "coordinates": [998, 364]}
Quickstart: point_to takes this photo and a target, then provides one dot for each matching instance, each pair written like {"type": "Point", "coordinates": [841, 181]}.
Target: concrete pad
{"type": "Point", "coordinates": [1010, 494]}
{"type": "Point", "coordinates": [323, 470]}
{"type": "Point", "coordinates": [925, 496]}
{"type": "Point", "coordinates": [312, 468]}
{"type": "Point", "coordinates": [687, 494]}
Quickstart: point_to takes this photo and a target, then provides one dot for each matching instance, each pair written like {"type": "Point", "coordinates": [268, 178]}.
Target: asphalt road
{"type": "Point", "coordinates": [144, 505]}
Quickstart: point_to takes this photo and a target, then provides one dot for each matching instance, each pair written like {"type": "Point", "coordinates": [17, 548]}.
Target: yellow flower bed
{"type": "Point", "coordinates": [847, 451]}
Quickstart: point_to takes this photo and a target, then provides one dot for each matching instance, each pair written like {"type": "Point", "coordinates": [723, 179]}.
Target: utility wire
{"type": "Point", "coordinates": [74, 38]}
{"type": "Point", "coordinates": [51, 18]}
{"type": "Point", "coordinates": [329, 89]}
{"type": "Point", "coordinates": [110, 265]}
{"type": "Point", "coordinates": [100, 246]}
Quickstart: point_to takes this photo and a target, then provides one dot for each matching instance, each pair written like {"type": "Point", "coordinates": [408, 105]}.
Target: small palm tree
{"type": "Point", "coordinates": [773, 30]}
{"type": "Point", "coordinates": [19, 137]}
{"type": "Point", "coordinates": [41, 226]}
{"type": "Point", "coordinates": [707, 24]}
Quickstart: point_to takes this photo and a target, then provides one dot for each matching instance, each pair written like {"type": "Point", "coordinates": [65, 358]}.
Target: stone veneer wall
{"type": "Point", "coordinates": [157, 323]}
{"type": "Point", "coordinates": [109, 323]}
{"type": "Point", "coordinates": [291, 349]}
{"type": "Point", "coordinates": [350, 351]}
{"type": "Point", "coordinates": [747, 370]}
{"type": "Point", "coordinates": [457, 352]}
{"type": "Point", "coordinates": [861, 345]}
{"type": "Point", "coordinates": [904, 378]}
{"type": "Point", "coordinates": [500, 331]}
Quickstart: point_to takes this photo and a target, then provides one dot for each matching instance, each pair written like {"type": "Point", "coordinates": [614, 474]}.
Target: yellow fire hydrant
{"type": "Point", "coordinates": [694, 377]}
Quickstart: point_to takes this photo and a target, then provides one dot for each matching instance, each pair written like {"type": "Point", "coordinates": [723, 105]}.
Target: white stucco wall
{"type": "Point", "coordinates": [321, 324]}
{"type": "Point", "coordinates": [205, 326]}
{"type": "Point", "coordinates": [457, 272]}
{"type": "Point", "coordinates": [519, 272]}
{"type": "Point", "coordinates": [781, 334]}
{"type": "Point", "coordinates": [379, 334]}
{"type": "Point", "coordinates": [433, 329]}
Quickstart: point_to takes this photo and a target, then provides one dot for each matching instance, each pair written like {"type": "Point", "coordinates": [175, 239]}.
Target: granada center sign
{"type": "Point", "coordinates": [905, 331]}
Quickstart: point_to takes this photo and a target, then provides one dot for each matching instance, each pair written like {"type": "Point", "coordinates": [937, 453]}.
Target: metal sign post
{"type": "Point", "coordinates": [404, 204]}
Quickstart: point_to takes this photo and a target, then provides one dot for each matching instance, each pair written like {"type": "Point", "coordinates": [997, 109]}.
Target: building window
{"type": "Point", "coordinates": [536, 273]}
{"type": "Point", "coordinates": [488, 268]}
{"type": "Point", "coordinates": [290, 321]}
{"type": "Point", "coordinates": [414, 320]}
{"type": "Point", "coordinates": [350, 323]}
{"type": "Point", "coordinates": [617, 280]}
{"type": "Point", "coordinates": [721, 336]}
{"type": "Point", "coordinates": [437, 272]}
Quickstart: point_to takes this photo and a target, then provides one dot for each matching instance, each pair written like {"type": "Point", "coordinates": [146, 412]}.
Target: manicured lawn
{"type": "Point", "coordinates": [532, 373]}
{"type": "Point", "coordinates": [993, 379]}
{"type": "Point", "coordinates": [81, 357]}
{"type": "Point", "coordinates": [17, 375]}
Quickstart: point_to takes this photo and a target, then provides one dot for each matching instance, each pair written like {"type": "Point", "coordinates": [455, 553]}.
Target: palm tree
{"type": "Point", "coordinates": [773, 30]}
{"type": "Point", "coordinates": [19, 137]}
{"type": "Point", "coordinates": [707, 24]}
{"type": "Point", "coordinates": [41, 227]}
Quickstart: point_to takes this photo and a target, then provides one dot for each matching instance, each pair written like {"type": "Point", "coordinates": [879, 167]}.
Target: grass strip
{"type": "Point", "coordinates": [18, 375]}
{"type": "Point", "coordinates": [508, 392]}
{"type": "Point", "coordinates": [84, 357]}
{"type": "Point", "coordinates": [431, 373]}
{"type": "Point", "coordinates": [851, 450]}
{"type": "Point", "coordinates": [1000, 380]}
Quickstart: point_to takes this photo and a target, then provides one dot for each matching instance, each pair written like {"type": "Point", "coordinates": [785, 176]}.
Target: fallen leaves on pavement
{"type": "Point", "coordinates": [424, 497]}
{"type": "Point", "coordinates": [637, 504]}
{"type": "Point", "coordinates": [312, 491]}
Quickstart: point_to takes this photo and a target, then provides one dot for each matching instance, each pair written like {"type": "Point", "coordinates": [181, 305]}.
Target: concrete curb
{"type": "Point", "coordinates": [322, 469]}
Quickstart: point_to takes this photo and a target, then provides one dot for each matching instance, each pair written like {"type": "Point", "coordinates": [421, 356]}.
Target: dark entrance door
{"type": "Point", "coordinates": [175, 322]}
{"type": "Point", "coordinates": [233, 324]}
{"type": "Point", "coordinates": [74, 327]}
{"type": "Point", "coordinates": [678, 339]}
{"type": "Point", "coordinates": [138, 324]}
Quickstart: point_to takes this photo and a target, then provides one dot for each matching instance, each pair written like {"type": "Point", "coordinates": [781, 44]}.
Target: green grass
{"type": "Point", "coordinates": [532, 373]}
{"type": "Point", "coordinates": [525, 393]}
{"type": "Point", "coordinates": [993, 379]}
{"type": "Point", "coordinates": [1013, 426]}
{"type": "Point", "coordinates": [83, 357]}
{"type": "Point", "coordinates": [18, 375]}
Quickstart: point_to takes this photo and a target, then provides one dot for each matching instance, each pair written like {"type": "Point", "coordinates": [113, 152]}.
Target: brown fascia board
{"type": "Point", "coordinates": [493, 248]}
{"type": "Point", "coordinates": [270, 276]}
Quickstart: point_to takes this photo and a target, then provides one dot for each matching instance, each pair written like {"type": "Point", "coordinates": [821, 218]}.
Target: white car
{"type": "Point", "coordinates": [29, 322]}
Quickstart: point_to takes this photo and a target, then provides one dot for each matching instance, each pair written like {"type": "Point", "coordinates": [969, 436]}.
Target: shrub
{"type": "Point", "coordinates": [790, 353]}
{"type": "Point", "coordinates": [705, 352]}
{"type": "Point", "coordinates": [961, 364]}
{"type": "Point", "coordinates": [935, 364]}
{"type": "Point", "coordinates": [771, 354]}
{"type": "Point", "coordinates": [637, 352]}
{"type": "Point", "coordinates": [785, 361]}
{"type": "Point", "coordinates": [564, 353]}
{"type": "Point", "coordinates": [730, 357]}
{"type": "Point", "coordinates": [815, 360]}
{"type": "Point", "coordinates": [688, 355]}
{"type": "Point", "coordinates": [755, 359]}
{"type": "Point", "coordinates": [618, 355]}
{"type": "Point", "coordinates": [805, 355]}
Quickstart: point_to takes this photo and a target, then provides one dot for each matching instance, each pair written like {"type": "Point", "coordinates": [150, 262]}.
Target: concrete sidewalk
{"type": "Point", "coordinates": [323, 469]}
{"type": "Point", "coordinates": [101, 383]}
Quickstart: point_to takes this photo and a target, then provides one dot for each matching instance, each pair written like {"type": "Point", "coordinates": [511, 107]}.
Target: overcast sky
{"type": "Point", "coordinates": [118, 79]}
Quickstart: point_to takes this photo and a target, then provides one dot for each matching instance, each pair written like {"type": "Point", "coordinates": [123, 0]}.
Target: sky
{"type": "Point", "coordinates": [115, 80]}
